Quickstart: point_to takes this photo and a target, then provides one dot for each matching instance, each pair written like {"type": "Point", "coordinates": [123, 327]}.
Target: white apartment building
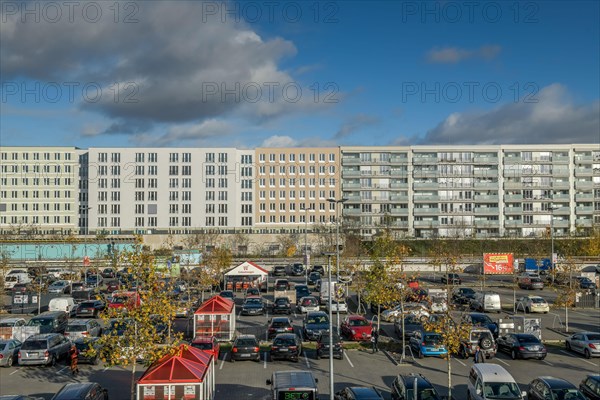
{"type": "Point", "coordinates": [38, 190]}
{"type": "Point", "coordinates": [471, 191]}
{"type": "Point", "coordinates": [169, 190]}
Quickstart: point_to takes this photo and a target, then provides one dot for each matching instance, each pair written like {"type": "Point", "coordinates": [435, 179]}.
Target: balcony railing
{"type": "Point", "coordinates": [480, 197]}
{"type": "Point", "coordinates": [426, 211]}
{"type": "Point", "coordinates": [421, 199]}
{"type": "Point", "coordinates": [486, 210]}
{"type": "Point", "coordinates": [425, 224]}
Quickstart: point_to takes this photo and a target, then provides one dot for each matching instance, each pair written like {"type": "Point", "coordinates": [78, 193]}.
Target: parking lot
{"type": "Point", "coordinates": [359, 367]}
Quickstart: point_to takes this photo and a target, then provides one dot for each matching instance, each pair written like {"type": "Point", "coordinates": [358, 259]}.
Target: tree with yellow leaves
{"type": "Point", "coordinates": [217, 262]}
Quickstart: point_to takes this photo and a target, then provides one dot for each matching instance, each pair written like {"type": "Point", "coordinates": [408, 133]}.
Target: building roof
{"type": "Point", "coordinates": [247, 268]}
{"type": "Point", "coordinates": [216, 305]}
{"type": "Point", "coordinates": [186, 365]}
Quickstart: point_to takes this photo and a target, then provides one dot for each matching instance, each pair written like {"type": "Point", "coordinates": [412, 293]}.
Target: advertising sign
{"type": "Point", "coordinates": [498, 263]}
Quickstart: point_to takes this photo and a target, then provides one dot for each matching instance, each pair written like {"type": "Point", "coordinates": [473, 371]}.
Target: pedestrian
{"type": "Point", "coordinates": [374, 340]}
{"type": "Point", "coordinates": [73, 353]}
{"type": "Point", "coordinates": [478, 356]}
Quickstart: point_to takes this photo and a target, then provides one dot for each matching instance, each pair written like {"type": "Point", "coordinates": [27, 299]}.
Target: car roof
{"type": "Point", "coordinates": [362, 392]}
{"type": "Point", "coordinates": [317, 313]}
{"type": "Point", "coordinates": [356, 317]}
{"type": "Point", "coordinates": [422, 382]}
{"type": "Point", "coordinates": [42, 336]}
{"type": "Point", "coordinates": [494, 372]}
{"type": "Point", "coordinates": [246, 337]}
{"type": "Point", "coordinates": [80, 321]}
{"type": "Point", "coordinates": [556, 383]}
{"type": "Point", "coordinates": [286, 336]}
{"type": "Point", "coordinates": [73, 391]}
{"type": "Point", "coordinates": [12, 319]}
{"type": "Point", "coordinates": [280, 319]}
{"type": "Point", "coordinates": [203, 339]}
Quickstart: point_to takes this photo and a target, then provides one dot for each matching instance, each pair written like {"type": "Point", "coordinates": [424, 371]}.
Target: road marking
{"type": "Point", "coordinates": [306, 361]}
{"type": "Point", "coordinates": [582, 359]}
{"type": "Point", "coordinates": [62, 369]}
{"type": "Point", "coordinates": [105, 369]}
{"type": "Point", "coordinates": [348, 359]}
{"type": "Point", "coordinates": [461, 363]}
{"type": "Point", "coordinates": [223, 360]}
{"type": "Point", "coordinates": [15, 371]}
{"type": "Point", "coordinates": [549, 363]}
{"type": "Point", "coordinates": [503, 362]}
{"type": "Point", "coordinates": [265, 364]}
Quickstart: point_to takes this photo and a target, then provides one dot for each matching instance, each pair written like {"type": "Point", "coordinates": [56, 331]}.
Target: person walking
{"type": "Point", "coordinates": [374, 340]}
{"type": "Point", "coordinates": [73, 353]}
{"type": "Point", "coordinates": [478, 356]}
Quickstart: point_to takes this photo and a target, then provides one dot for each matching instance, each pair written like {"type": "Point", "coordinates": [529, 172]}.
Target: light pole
{"type": "Point", "coordinates": [306, 259]}
{"type": "Point", "coordinates": [330, 326]}
{"type": "Point", "coordinates": [337, 252]}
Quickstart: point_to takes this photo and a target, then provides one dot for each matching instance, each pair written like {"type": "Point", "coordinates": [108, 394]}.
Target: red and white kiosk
{"type": "Point", "coordinates": [215, 317]}
{"type": "Point", "coordinates": [245, 275]}
{"type": "Point", "coordinates": [187, 374]}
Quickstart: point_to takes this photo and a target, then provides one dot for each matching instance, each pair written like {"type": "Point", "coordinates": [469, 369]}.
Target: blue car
{"type": "Point", "coordinates": [427, 344]}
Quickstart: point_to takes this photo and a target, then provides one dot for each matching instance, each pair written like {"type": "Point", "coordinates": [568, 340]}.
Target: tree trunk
{"type": "Point", "coordinates": [132, 393]}
{"type": "Point", "coordinates": [449, 377]}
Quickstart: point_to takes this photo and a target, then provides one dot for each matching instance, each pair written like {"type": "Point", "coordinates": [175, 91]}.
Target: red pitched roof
{"type": "Point", "coordinates": [257, 266]}
{"type": "Point", "coordinates": [187, 365]}
{"type": "Point", "coordinates": [216, 305]}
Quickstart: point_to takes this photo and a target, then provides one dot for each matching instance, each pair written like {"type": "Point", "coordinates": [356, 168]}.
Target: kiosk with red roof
{"type": "Point", "coordinates": [245, 275]}
{"type": "Point", "coordinates": [215, 317]}
{"type": "Point", "coordinates": [186, 374]}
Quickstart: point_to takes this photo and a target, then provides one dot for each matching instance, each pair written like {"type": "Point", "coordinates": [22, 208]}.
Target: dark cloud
{"type": "Point", "coordinates": [355, 123]}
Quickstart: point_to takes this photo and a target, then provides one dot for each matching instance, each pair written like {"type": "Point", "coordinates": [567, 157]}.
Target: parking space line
{"type": "Point", "coordinates": [62, 369]}
{"type": "Point", "coordinates": [15, 371]}
{"type": "Point", "coordinates": [549, 363]}
{"type": "Point", "coordinates": [265, 363]}
{"type": "Point", "coordinates": [502, 361]}
{"type": "Point", "coordinates": [105, 369]}
{"type": "Point", "coordinates": [223, 360]}
{"type": "Point", "coordinates": [461, 363]}
{"type": "Point", "coordinates": [582, 359]}
{"type": "Point", "coordinates": [306, 361]}
{"type": "Point", "coordinates": [348, 359]}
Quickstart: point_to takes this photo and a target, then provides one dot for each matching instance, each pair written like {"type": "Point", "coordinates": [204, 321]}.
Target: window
{"type": "Point", "coordinates": [173, 157]}
{"type": "Point", "coordinates": [210, 157]}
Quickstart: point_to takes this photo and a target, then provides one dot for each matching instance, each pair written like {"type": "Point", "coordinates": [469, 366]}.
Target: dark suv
{"type": "Point", "coordinates": [50, 322]}
{"type": "Point", "coordinates": [323, 345]}
{"type": "Point", "coordinates": [81, 391]}
{"type": "Point", "coordinates": [44, 349]}
{"type": "Point", "coordinates": [279, 270]}
{"type": "Point", "coordinates": [314, 324]}
{"type": "Point", "coordinates": [279, 325]}
{"type": "Point", "coordinates": [481, 337]}
{"type": "Point", "coordinates": [281, 305]}
{"type": "Point", "coordinates": [245, 347]}
{"type": "Point", "coordinates": [403, 388]}
{"type": "Point", "coordinates": [287, 346]}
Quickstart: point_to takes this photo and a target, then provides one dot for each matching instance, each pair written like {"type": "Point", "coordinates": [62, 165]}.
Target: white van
{"type": "Point", "coordinates": [486, 302]}
{"type": "Point", "coordinates": [66, 304]}
{"type": "Point", "coordinates": [13, 278]}
{"type": "Point", "coordinates": [492, 381]}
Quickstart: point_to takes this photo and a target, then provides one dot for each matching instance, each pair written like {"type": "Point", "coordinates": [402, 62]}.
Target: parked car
{"type": "Point", "coordinates": [253, 306]}
{"type": "Point", "coordinates": [308, 304]}
{"type": "Point", "coordinates": [318, 268]}
{"type": "Point", "coordinates": [19, 397]}
{"type": "Point", "coordinates": [227, 294]}
{"type": "Point", "coordinates": [403, 388]}
{"type": "Point", "coordinates": [20, 288]}
{"type": "Point", "coordinates": [426, 344]}
{"type": "Point", "coordinates": [463, 295]}
{"type": "Point", "coordinates": [125, 300]}
{"type": "Point", "coordinates": [62, 286]}
{"type": "Point", "coordinates": [83, 328]}
{"type": "Point", "coordinates": [298, 269]}
{"type": "Point", "coordinates": [356, 327]}
{"type": "Point", "coordinates": [9, 352]}
{"type": "Point", "coordinates": [585, 282]}
{"type": "Point", "coordinates": [279, 325]}
{"type": "Point", "coordinates": [586, 343]}
{"type": "Point", "coordinates": [549, 387]}
{"type": "Point", "coordinates": [482, 337]}
{"type": "Point", "coordinates": [245, 347]}
{"type": "Point", "coordinates": [313, 277]}
{"type": "Point", "coordinates": [480, 319]}
{"type": "Point", "coordinates": [491, 381]}
{"type": "Point", "coordinates": [590, 387]}
{"type": "Point", "coordinates": [301, 291]}
{"type": "Point", "coordinates": [251, 291]}
{"type": "Point", "coordinates": [451, 278]}
{"type": "Point", "coordinates": [532, 304]}
{"type": "Point", "coordinates": [88, 349]}
{"type": "Point", "coordinates": [183, 309]}
{"type": "Point", "coordinates": [108, 273]}
{"type": "Point", "coordinates": [486, 302]}
{"type": "Point", "coordinates": [93, 280]}
{"type": "Point", "coordinates": [337, 306]}
{"type": "Point", "coordinates": [11, 322]}
{"type": "Point", "coordinates": [279, 270]}
{"type": "Point", "coordinates": [530, 282]}
{"type": "Point", "coordinates": [287, 346]}
{"type": "Point", "coordinates": [208, 344]}
{"type": "Point", "coordinates": [281, 305]}
{"type": "Point", "coordinates": [66, 304]}
{"type": "Point", "coordinates": [44, 349]}
{"type": "Point", "coordinates": [50, 322]}
{"type": "Point", "coordinates": [90, 309]}
{"type": "Point", "coordinates": [77, 286]}
{"type": "Point", "coordinates": [522, 345]}
{"type": "Point", "coordinates": [110, 285]}
{"type": "Point", "coordinates": [417, 309]}
{"type": "Point", "coordinates": [314, 324]}
{"type": "Point", "coordinates": [358, 393]}
{"type": "Point", "coordinates": [282, 284]}
{"type": "Point", "coordinates": [323, 345]}
{"type": "Point", "coordinates": [412, 324]}
{"type": "Point", "coordinates": [81, 391]}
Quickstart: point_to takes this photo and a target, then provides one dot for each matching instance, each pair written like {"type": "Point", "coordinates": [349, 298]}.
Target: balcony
{"type": "Point", "coordinates": [513, 210]}
{"type": "Point", "coordinates": [584, 197]}
{"type": "Point", "coordinates": [561, 211]}
{"type": "Point", "coordinates": [425, 224]}
{"type": "Point", "coordinates": [399, 198]}
{"type": "Point", "coordinates": [584, 185]}
{"type": "Point", "coordinates": [580, 171]}
{"type": "Point", "coordinates": [583, 159]}
{"type": "Point", "coordinates": [350, 186]}
{"type": "Point", "coordinates": [398, 172]}
{"type": "Point", "coordinates": [513, 197]}
{"type": "Point", "coordinates": [481, 197]}
{"type": "Point", "coordinates": [399, 185]}
{"type": "Point", "coordinates": [350, 160]}
{"type": "Point", "coordinates": [399, 159]}
{"type": "Point", "coordinates": [486, 173]}
{"type": "Point", "coordinates": [561, 197]}
{"type": "Point", "coordinates": [486, 210]}
{"type": "Point", "coordinates": [485, 185]}
{"type": "Point", "coordinates": [560, 224]}
{"type": "Point", "coordinates": [426, 199]}
{"type": "Point", "coordinates": [352, 211]}
{"type": "Point", "coordinates": [426, 173]}
{"type": "Point", "coordinates": [399, 211]}
{"type": "Point", "coordinates": [399, 224]}
{"type": "Point", "coordinates": [584, 210]}
{"type": "Point", "coordinates": [583, 223]}
{"type": "Point", "coordinates": [426, 211]}
{"type": "Point", "coordinates": [485, 160]}
{"type": "Point", "coordinates": [560, 185]}
{"type": "Point", "coordinates": [560, 159]}
{"type": "Point", "coordinates": [351, 173]}
{"type": "Point", "coordinates": [424, 159]}
{"type": "Point", "coordinates": [486, 224]}
{"type": "Point", "coordinates": [562, 172]}
{"type": "Point", "coordinates": [512, 160]}
{"type": "Point", "coordinates": [513, 223]}
{"type": "Point", "coordinates": [352, 198]}
{"type": "Point", "coordinates": [513, 185]}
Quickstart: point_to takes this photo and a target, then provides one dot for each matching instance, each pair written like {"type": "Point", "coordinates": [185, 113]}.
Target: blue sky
{"type": "Point", "coordinates": [386, 73]}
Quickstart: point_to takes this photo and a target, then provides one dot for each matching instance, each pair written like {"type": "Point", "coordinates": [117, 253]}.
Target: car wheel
{"type": "Point", "coordinates": [52, 362]}
{"type": "Point", "coordinates": [527, 310]}
{"type": "Point", "coordinates": [568, 346]}
{"type": "Point", "coordinates": [541, 358]}
{"type": "Point", "coordinates": [94, 361]}
{"type": "Point", "coordinates": [587, 354]}
{"type": "Point", "coordinates": [420, 354]}
{"type": "Point", "coordinates": [9, 362]}
{"type": "Point", "coordinates": [318, 356]}
{"type": "Point", "coordinates": [513, 355]}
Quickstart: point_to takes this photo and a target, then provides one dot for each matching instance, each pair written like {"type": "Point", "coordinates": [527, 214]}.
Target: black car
{"type": "Point", "coordinates": [590, 386]}
{"type": "Point", "coordinates": [412, 324]}
{"type": "Point", "coordinates": [287, 346]}
{"type": "Point", "coordinates": [81, 391]}
{"type": "Point", "coordinates": [245, 347]}
{"type": "Point", "coordinates": [301, 291]}
{"type": "Point", "coordinates": [253, 306]}
{"type": "Point", "coordinates": [522, 345]}
{"type": "Point", "coordinates": [585, 283]}
{"type": "Point", "coordinates": [227, 294]}
{"type": "Point", "coordinates": [88, 349]}
{"type": "Point", "coordinates": [451, 278]}
{"type": "Point", "coordinates": [279, 325]}
{"type": "Point", "coordinates": [323, 345]}
{"type": "Point", "coordinates": [481, 319]}
{"type": "Point", "coordinates": [463, 295]}
{"type": "Point", "coordinates": [319, 269]}
{"type": "Point", "coordinates": [403, 388]}
{"type": "Point", "coordinates": [549, 387]}
{"type": "Point", "coordinates": [279, 270]}
{"type": "Point", "coordinates": [358, 393]}
{"type": "Point", "coordinates": [19, 397]}
{"type": "Point", "coordinates": [313, 277]}
{"type": "Point", "coordinates": [281, 305]}
{"type": "Point", "coordinates": [90, 308]}
{"type": "Point", "coordinates": [298, 269]}
{"type": "Point", "coordinates": [314, 324]}
{"type": "Point", "coordinates": [282, 284]}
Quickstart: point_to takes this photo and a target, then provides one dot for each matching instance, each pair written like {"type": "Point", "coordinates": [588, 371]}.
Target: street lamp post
{"type": "Point", "coordinates": [306, 259]}
{"type": "Point", "coordinates": [337, 252]}
{"type": "Point", "coordinates": [330, 325]}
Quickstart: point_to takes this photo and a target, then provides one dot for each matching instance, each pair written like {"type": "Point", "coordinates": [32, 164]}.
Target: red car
{"type": "Point", "coordinates": [208, 344]}
{"type": "Point", "coordinates": [356, 327]}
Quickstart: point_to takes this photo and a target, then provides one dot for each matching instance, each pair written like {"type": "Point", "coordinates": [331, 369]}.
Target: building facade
{"type": "Point", "coordinates": [415, 191]}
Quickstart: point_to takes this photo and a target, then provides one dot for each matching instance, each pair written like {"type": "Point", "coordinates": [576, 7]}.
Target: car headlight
{"type": "Point", "coordinates": [353, 332]}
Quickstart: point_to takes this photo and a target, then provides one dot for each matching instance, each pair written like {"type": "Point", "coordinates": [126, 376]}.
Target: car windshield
{"type": "Point", "coordinates": [358, 322]}
{"type": "Point", "coordinates": [82, 346]}
{"type": "Point", "coordinates": [432, 339]}
{"type": "Point", "coordinates": [571, 394]}
{"type": "Point", "coordinates": [88, 304]}
{"type": "Point", "coordinates": [538, 300]}
{"type": "Point", "coordinates": [39, 322]}
{"type": "Point", "coordinates": [279, 324]}
{"type": "Point", "coordinates": [253, 301]}
{"type": "Point", "coordinates": [319, 319]}
{"type": "Point", "coordinates": [476, 335]}
{"type": "Point", "coordinates": [7, 324]}
{"type": "Point", "coordinates": [501, 390]}
{"type": "Point", "coordinates": [422, 394]}
{"type": "Point", "coordinates": [34, 345]}
{"type": "Point", "coordinates": [528, 339]}
{"type": "Point", "coordinates": [593, 336]}
{"type": "Point", "coordinates": [120, 299]}
{"type": "Point", "coordinates": [281, 301]}
{"type": "Point", "coordinates": [246, 342]}
{"type": "Point", "coordinates": [481, 319]}
{"type": "Point", "coordinates": [76, 328]}
{"type": "Point", "coordinates": [203, 346]}
{"type": "Point", "coordinates": [467, 291]}
{"type": "Point", "coordinates": [308, 302]}
{"type": "Point", "coordinates": [2, 346]}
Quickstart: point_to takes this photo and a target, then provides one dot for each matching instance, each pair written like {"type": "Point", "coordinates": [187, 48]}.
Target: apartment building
{"type": "Point", "coordinates": [38, 190]}
{"type": "Point", "coordinates": [294, 186]}
{"type": "Point", "coordinates": [169, 190]}
{"type": "Point", "coordinates": [471, 191]}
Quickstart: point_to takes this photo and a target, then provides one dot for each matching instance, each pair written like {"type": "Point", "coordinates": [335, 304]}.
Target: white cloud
{"type": "Point", "coordinates": [453, 55]}
{"type": "Point", "coordinates": [279, 141]}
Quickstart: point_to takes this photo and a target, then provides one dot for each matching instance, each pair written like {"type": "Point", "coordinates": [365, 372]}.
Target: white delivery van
{"type": "Point", "coordinates": [13, 278]}
{"type": "Point", "coordinates": [492, 381]}
{"type": "Point", "coordinates": [486, 302]}
{"type": "Point", "coordinates": [66, 304]}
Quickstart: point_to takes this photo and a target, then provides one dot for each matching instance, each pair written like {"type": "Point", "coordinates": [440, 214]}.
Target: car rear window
{"type": "Point", "coordinates": [39, 322]}
{"type": "Point", "coordinates": [247, 342]}
{"type": "Point", "coordinates": [431, 339]}
{"type": "Point", "coordinates": [203, 346]}
{"type": "Point", "coordinates": [284, 342]}
{"type": "Point", "coordinates": [279, 324]}
{"type": "Point", "coordinates": [359, 322]}
{"type": "Point", "coordinates": [88, 304]}
{"type": "Point", "coordinates": [34, 345]}
{"type": "Point", "coordinates": [76, 328]}
{"type": "Point", "coordinates": [593, 337]}
{"type": "Point", "coordinates": [317, 320]}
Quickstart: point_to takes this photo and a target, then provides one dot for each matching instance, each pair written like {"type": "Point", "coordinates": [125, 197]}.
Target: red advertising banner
{"type": "Point", "coordinates": [498, 263]}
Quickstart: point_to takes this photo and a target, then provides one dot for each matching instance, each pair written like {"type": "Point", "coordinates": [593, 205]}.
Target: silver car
{"type": "Point", "coordinates": [83, 328]}
{"type": "Point", "coordinates": [12, 322]}
{"type": "Point", "coordinates": [586, 343]}
{"type": "Point", "coordinates": [45, 349]}
{"type": "Point", "coordinates": [61, 286]}
{"type": "Point", "coordinates": [9, 352]}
